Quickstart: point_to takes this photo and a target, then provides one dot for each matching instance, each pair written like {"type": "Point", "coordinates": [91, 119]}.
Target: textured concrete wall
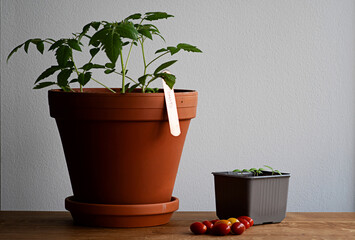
{"type": "Point", "coordinates": [276, 86]}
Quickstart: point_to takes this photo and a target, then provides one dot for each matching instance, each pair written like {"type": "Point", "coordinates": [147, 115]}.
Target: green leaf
{"type": "Point", "coordinates": [95, 25]}
{"type": "Point", "coordinates": [161, 50]}
{"type": "Point", "coordinates": [278, 172]}
{"type": "Point", "coordinates": [74, 80]}
{"type": "Point", "coordinates": [43, 85]}
{"type": "Point", "coordinates": [169, 79]}
{"type": "Point", "coordinates": [27, 44]}
{"type": "Point", "coordinates": [145, 33]}
{"type": "Point", "coordinates": [237, 170]}
{"type": "Point", "coordinates": [94, 51]}
{"type": "Point", "coordinates": [142, 79]}
{"type": "Point", "coordinates": [245, 170]}
{"type": "Point", "coordinates": [173, 50]}
{"type": "Point", "coordinates": [99, 37]}
{"type": "Point", "coordinates": [56, 44]}
{"type": "Point", "coordinates": [133, 87]}
{"type": "Point", "coordinates": [113, 46]}
{"type": "Point", "coordinates": [188, 47]}
{"type": "Point", "coordinates": [83, 79]}
{"type": "Point", "coordinates": [49, 71]}
{"type": "Point", "coordinates": [63, 76]}
{"type": "Point", "coordinates": [134, 16]}
{"type": "Point", "coordinates": [152, 16]}
{"type": "Point", "coordinates": [269, 167]}
{"type": "Point", "coordinates": [110, 65]}
{"type": "Point", "coordinates": [74, 44]}
{"type": "Point", "coordinates": [87, 66]}
{"type": "Point", "coordinates": [127, 30]}
{"type": "Point", "coordinates": [40, 47]}
{"type": "Point", "coordinates": [125, 88]}
{"type": "Point", "coordinates": [108, 71]}
{"type": "Point", "coordinates": [13, 51]}
{"type": "Point", "coordinates": [63, 54]}
{"type": "Point", "coordinates": [164, 65]}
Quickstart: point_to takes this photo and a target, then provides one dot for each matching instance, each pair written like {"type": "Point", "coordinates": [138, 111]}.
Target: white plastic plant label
{"type": "Point", "coordinates": [171, 109]}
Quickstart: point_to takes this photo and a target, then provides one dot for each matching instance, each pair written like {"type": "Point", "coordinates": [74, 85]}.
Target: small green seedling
{"type": "Point", "coordinates": [257, 172]}
{"type": "Point", "coordinates": [273, 171]}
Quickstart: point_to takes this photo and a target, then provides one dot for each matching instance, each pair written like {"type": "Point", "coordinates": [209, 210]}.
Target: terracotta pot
{"type": "Point", "coordinates": [118, 147]}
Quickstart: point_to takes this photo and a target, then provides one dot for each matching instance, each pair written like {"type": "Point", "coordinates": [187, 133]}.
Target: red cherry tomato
{"type": "Point", "coordinates": [214, 221]}
{"type": "Point", "coordinates": [209, 225]}
{"type": "Point", "coordinates": [198, 228]}
{"type": "Point", "coordinates": [223, 221]}
{"type": "Point", "coordinates": [238, 228]}
{"type": "Point", "coordinates": [221, 229]}
{"type": "Point", "coordinates": [245, 222]}
{"type": "Point", "coordinates": [249, 219]}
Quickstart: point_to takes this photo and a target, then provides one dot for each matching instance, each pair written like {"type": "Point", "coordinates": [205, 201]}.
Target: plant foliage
{"type": "Point", "coordinates": [116, 40]}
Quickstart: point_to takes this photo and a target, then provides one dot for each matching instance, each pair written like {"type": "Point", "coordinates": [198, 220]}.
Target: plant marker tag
{"type": "Point", "coordinates": [171, 109]}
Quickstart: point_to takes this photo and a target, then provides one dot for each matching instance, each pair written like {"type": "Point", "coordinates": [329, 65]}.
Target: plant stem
{"type": "Point", "coordinates": [77, 72]}
{"type": "Point", "coordinates": [104, 85]}
{"type": "Point", "coordinates": [126, 77]}
{"type": "Point", "coordinates": [156, 58]}
{"type": "Point", "coordinates": [123, 90]}
{"type": "Point", "coordinates": [129, 53]}
{"type": "Point", "coordinates": [145, 64]}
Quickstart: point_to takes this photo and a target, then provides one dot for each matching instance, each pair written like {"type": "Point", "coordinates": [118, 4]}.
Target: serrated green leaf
{"type": "Point", "coordinates": [127, 30]}
{"type": "Point", "coordinates": [161, 50]}
{"type": "Point", "coordinates": [134, 16]}
{"type": "Point", "coordinates": [49, 71]}
{"type": "Point", "coordinates": [169, 79]}
{"type": "Point", "coordinates": [99, 37]}
{"type": "Point", "coordinates": [43, 85]}
{"type": "Point", "coordinates": [188, 47]}
{"type": "Point", "coordinates": [27, 44]}
{"type": "Point", "coordinates": [63, 54]}
{"type": "Point", "coordinates": [164, 65]}
{"type": "Point", "coordinates": [56, 44]}
{"type": "Point", "coordinates": [74, 44]}
{"type": "Point", "coordinates": [94, 51]}
{"type": "Point", "coordinates": [62, 78]}
{"type": "Point", "coordinates": [152, 16]}
{"type": "Point", "coordinates": [73, 80]}
{"type": "Point", "coordinates": [173, 50]}
{"type": "Point", "coordinates": [146, 33]}
{"type": "Point", "coordinates": [113, 46]}
{"type": "Point", "coordinates": [13, 51]}
{"type": "Point", "coordinates": [83, 79]}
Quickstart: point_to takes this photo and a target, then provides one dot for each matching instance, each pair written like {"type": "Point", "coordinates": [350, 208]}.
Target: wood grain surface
{"type": "Point", "coordinates": [59, 225]}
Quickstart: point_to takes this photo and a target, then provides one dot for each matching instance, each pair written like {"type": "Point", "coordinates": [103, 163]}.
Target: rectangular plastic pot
{"type": "Point", "coordinates": [263, 198]}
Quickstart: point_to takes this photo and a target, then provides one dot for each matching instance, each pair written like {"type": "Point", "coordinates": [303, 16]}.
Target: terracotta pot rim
{"type": "Point", "coordinates": [121, 210]}
{"type": "Point", "coordinates": [105, 92]}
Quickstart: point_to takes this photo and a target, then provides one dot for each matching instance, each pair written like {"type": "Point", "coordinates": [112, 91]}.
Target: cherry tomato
{"type": "Point", "coordinates": [245, 222]}
{"type": "Point", "coordinates": [198, 228]}
{"type": "Point", "coordinates": [249, 219]}
{"type": "Point", "coordinates": [209, 225]}
{"type": "Point", "coordinates": [214, 221]}
{"type": "Point", "coordinates": [238, 228]}
{"type": "Point", "coordinates": [233, 220]}
{"type": "Point", "coordinates": [223, 221]}
{"type": "Point", "coordinates": [221, 229]}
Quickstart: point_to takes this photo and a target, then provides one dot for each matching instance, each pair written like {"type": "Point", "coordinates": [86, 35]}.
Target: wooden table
{"type": "Point", "coordinates": [59, 225]}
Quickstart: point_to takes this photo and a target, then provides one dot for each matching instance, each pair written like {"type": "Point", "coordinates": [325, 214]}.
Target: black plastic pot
{"type": "Point", "coordinates": [263, 197]}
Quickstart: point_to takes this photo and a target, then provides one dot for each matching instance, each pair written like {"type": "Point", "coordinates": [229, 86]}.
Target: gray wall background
{"type": "Point", "coordinates": [276, 86]}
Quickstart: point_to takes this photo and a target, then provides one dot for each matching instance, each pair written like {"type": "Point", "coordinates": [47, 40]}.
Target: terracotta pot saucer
{"type": "Point", "coordinates": [110, 215]}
